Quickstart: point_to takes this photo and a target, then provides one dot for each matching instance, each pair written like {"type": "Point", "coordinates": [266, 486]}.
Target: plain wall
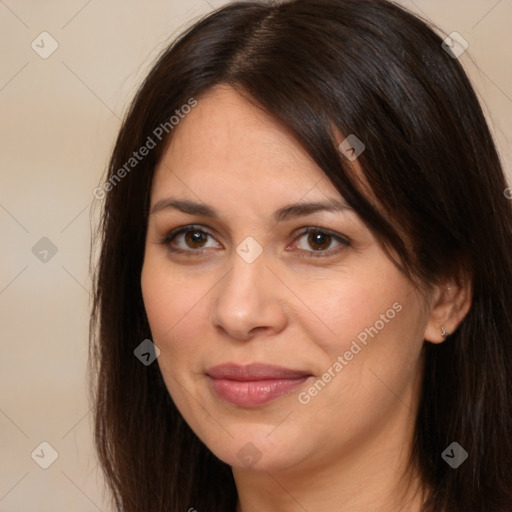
{"type": "Point", "coordinates": [59, 118]}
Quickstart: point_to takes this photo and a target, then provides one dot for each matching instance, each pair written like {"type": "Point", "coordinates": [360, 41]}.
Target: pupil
{"type": "Point", "coordinates": [319, 241]}
{"type": "Point", "coordinates": [195, 238]}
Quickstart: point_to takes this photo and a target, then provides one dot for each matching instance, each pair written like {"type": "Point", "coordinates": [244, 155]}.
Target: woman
{"type": "Point", "coordinates": [305, 221]}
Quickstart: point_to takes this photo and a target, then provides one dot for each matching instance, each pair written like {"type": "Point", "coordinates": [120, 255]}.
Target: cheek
{"type": "Point", "coordinates": [356, 306]}
{"type": "Point", "coordinates": [174, 305]}
{"type": "Point", "coordinates": [370, 338]}
{"type": "Point", "coordinates": [175, 311]}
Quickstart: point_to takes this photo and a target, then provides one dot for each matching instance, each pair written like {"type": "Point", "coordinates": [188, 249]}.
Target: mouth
{"type": "Point", "coordinates": [254, 384]}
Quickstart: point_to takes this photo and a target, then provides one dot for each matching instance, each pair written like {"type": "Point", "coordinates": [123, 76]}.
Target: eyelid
{"type": "Point", "coordinates": [343, 241]}
{"type": "Point", "coordinates": [170, 236]}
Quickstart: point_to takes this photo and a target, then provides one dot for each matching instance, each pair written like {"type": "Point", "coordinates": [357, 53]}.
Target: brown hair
{"type": "Point", "coordinates": [365, 67]}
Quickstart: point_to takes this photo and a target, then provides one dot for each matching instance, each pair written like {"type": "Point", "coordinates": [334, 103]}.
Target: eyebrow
{"type": "Point", "coordinates": [303, 209]}
{"type": "Point", "coordinates": [185, 206]}
{"type": "Point", "coordinates": [286, 212]}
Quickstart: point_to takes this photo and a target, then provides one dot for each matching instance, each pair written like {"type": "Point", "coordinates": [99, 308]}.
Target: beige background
{"type": "Point", "coordinates": [59, 120]}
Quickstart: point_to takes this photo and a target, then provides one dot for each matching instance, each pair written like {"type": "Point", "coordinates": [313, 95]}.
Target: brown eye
{"type": "Point", "coordinates": [316, 242]}
{"type": "Point", "coordinates": [319, 241]}
{"type": "Point", "coordinates": [195, 239]}
{"type": "Point", "coordinates": [191, 240]}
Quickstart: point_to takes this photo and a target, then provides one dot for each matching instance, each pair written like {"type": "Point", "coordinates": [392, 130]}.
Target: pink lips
{"type": "Point", "coordinates": [254, 384]}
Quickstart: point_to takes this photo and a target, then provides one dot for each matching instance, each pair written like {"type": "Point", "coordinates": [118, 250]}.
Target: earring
{"type": "Point", "coordinates": [444, 334]}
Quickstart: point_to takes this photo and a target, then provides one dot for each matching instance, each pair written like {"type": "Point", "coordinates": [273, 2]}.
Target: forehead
{"type": "Point", "coordinates": [227, 146]}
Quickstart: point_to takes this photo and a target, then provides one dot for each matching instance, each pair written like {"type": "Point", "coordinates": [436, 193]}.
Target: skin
{"type": "Point", "coordinates": [348, 447]}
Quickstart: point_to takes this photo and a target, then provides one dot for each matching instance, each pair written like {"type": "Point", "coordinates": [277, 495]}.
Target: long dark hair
{"type": "Point", "coordinates": [363, 67]}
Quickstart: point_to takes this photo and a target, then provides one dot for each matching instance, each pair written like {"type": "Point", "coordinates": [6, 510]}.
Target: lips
{"type": "Point", "coordinates": [254, 384]}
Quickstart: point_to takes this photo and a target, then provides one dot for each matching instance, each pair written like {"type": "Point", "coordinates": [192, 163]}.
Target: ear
{"type": "Point", "coordinates": [450, 303]}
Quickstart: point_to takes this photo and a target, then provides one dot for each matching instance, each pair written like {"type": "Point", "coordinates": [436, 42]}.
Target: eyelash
{"type": "Point", "coordinates": [184, 229]}
{"type": "Point", "coordinates": [344, 242]}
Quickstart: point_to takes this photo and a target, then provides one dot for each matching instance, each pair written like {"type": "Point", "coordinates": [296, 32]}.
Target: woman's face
{"type": "Point", "coordinates": [288, 338]}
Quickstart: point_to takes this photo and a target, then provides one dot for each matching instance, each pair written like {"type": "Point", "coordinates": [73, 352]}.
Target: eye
{"type": "Point", "coordinates": [190, 239]}
{"type": "Point", "coordinates": [320, 242]}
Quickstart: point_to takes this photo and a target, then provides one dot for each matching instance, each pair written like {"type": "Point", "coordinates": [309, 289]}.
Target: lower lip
{"type": "Point", "coordinates": [255, 392]}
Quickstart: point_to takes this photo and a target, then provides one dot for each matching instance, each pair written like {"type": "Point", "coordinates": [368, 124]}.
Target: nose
{"type": "Point", "coordinates": [247, 301]}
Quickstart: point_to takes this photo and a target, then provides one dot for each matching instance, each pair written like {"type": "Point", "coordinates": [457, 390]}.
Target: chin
{"type": "Point", "coordinates": [253, 448]}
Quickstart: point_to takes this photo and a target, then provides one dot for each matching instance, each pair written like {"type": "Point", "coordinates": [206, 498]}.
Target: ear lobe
{"type": "Point", "coordinates": [449, 305]}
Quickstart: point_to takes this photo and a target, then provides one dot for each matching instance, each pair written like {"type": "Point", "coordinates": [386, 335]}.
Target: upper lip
{"type": "Point", "coordinates": [254, 371]}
